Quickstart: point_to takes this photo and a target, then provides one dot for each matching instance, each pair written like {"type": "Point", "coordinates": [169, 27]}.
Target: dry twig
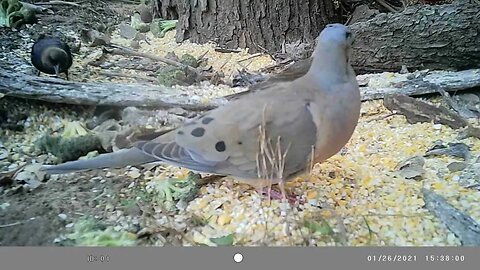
{"type": "Point", "coordinates": [116, 49]}
{"type": "Point", "coordinates": [125, 75]}
{"type": "Point", "coordinates": [67, 4]}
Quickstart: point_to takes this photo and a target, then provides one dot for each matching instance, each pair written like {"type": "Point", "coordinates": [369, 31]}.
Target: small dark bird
{"type": "Point", "coordinates": [145, 13]}
{"type": "Point", "coordinates": [51, 56]}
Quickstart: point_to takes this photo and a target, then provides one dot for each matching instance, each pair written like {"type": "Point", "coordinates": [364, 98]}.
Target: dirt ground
{"type": "Point", "coordinates": [32, 219]}
{"type": "Point", "coordinates": [32, 216]}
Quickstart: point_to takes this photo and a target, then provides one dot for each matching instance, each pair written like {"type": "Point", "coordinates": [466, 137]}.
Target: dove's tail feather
{"type": "Point", "coordinates": [118, 159]}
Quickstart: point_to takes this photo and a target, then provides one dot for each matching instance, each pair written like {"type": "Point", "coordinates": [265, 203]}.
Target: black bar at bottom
{"type": "Point", "coordinates": [265, 258]}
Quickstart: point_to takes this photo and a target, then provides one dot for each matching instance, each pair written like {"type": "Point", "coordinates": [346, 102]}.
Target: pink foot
{"type": "Point", "coordinates": [273, 194]}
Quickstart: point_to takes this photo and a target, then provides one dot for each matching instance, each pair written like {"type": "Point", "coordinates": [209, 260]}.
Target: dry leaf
{"type": "Point", "coordinates": [412, 168]}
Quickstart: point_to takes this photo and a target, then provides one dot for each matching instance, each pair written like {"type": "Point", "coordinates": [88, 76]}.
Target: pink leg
{"type": "Point", "coordinates": [277, 195]}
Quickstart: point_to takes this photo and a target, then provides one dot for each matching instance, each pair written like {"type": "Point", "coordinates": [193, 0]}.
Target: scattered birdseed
{"type": "Point", "coordinates": [355, 198]}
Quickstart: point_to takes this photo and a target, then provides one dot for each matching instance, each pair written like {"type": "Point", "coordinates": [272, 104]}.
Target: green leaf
{"type": "Point", "coordinates": [10, 12]}
{"type": "Point", "coordinates": [322, 228]}
{"type": "Point", "coordinates": [226, 240]}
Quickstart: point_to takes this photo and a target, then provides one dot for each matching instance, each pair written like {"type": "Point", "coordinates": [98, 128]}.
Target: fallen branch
{"type": "Point", "coordinates": [420, 111]}
{"type": "Point", "coordinates": [448, 81]}
{"type": "Point", "coordinates": [428, 84]}
{"type": "Point", "coordinates": [459, 223]}
{"type": "Point", "coordinates": [144, 95]}
{"type": "Point", "coordinates": [122, 95]}
{"type": "Point", "coordinates": [462, 111]}
{"type": "Point", "coordinates": [59, 3]}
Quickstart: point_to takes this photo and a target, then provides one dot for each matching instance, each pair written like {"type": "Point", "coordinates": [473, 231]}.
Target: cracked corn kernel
{"type": "Point", "coordinates": [202, 203]}
{"type": "Point", "coordinates": [326, 214]}
{"type": "Point", "coordinates": [224, 219]}
{"type": "Point", "coordinates": [312, 194]}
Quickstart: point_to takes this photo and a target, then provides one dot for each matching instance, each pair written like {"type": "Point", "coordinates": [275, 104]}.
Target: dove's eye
{"type": "Point", "coordinates": [348, 35]}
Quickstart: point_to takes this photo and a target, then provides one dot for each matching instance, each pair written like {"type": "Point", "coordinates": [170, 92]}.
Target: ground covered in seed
{"type": "Point", "coordinates": [358, 197]}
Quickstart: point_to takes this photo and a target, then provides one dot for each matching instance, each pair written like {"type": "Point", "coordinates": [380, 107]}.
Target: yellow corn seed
{"type": "Point", "coordinates": [312, 194]}
{"type": "Point", "coordinates": [342, 203]}
{"type": "Point", "coordinates": [224, 219]}
{"type": "Point", "coordinates": [326, 214]}
{"type": "Point", "coordinates": [202, 203]}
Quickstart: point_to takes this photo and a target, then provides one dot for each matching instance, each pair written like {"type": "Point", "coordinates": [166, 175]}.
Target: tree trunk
{"type": "Point", "coordinates": [421, 37]}
{"type": "Point", "coordinates": [166, 9]}
{"type": "Point", "coordinates": [257, 24]}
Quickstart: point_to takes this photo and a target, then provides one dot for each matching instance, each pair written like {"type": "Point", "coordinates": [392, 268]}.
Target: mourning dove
{"type": "Point", "coordinates": [51, 56]}
{"type": "Point", "coordinates": [145, 12]}
{"type": "Point", "coordinates": [269, 134]}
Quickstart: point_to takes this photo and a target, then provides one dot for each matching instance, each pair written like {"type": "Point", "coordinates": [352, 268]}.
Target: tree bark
{"type": "Point", "coordinates": [258, 25]}
{"type": "Point", "coordinates": [421, 37]}
{"type": "Point", "coordinates": [166, 9]}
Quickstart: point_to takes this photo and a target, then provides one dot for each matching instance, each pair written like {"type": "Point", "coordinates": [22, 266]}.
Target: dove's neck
{"type": "Point", "coordinates": [331, 64]}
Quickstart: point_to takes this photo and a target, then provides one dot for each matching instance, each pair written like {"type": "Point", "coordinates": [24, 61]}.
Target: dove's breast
{"type": "Point", "coordinates": [336, 119]}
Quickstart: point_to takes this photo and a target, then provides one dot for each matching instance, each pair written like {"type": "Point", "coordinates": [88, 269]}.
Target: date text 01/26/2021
{"type": "Point", "coordinates": [392, 258]}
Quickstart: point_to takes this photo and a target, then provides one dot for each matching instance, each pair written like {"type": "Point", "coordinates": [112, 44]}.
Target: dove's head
{"type": "Point", "coordinates": [332, 53]}
{"type": "Point", "coordinates": [335, 35]}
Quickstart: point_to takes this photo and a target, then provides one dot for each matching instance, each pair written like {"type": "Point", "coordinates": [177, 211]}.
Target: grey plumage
{"type": "Point", "coordinates": [119, 159]}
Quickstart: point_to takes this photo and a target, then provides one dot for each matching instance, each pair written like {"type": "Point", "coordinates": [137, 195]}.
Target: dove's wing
{"type": "Point", "coordinates": [227, 140]}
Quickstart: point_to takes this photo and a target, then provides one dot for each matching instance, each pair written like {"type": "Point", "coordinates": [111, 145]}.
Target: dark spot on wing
{"type": "Point", "coordinates": [207, 120]}
{"type": "Point", "coordinates": [198, 132]}
{"type": "Point", "coordinates": [220, 146]}
{"type": "Point", "coordinates": [180, 132]}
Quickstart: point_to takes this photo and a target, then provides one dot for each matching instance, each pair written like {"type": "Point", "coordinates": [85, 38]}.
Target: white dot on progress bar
{"type": "Point", "coordinates": [238, 257]}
